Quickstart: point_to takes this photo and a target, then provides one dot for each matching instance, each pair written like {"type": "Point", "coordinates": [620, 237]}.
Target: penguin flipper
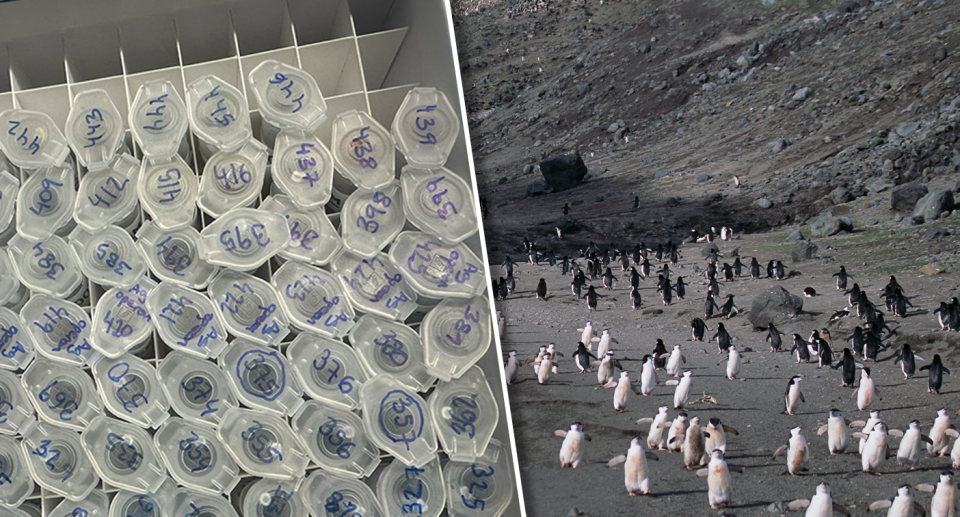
{"type": "Point", "coordinates": [778, 451]}
{"type": "Point", "coordinates": [617, 364]}
{"type": "Point", "coordinates": [558, 353]}
{"type": "Point", "coordinates": [926, 439]}
{"type": "Point", "coordinates": [858, 434]}
{"type": "Point", "coordinates": [801, 397]}
{"type": "Point", "coordinates": [927, 367]}
{"type": "Point", "coordinates": [918, 509]}
{"type": "Point", "coordinates": [924, 487]}
{"type": "Point", "coordinates": [594, 364]}
{"type": "Point", "coordinates": [952, 432]}
{"type": "Point", "coordinates": [702, 472]}
{"type": "Point", "coordinates": [798, 504]}
{"type": "Point", "coordinates": [823, 429]}
{"type": "Point", "coordinates": [895, 432]}
{"type": "Point", "coordinates": [858, 365]}
{"type": "Point", "coordinates": [920, 357]}
{"type": "Point", "coordinates": [651, 455]}
{"type": "Point", "coordinates": [879, 505]}
{"type": "Point", "coordinates": [645, 420]}
{"type": "Point", "coordinates": [735, 469]}
{"type": "Point", "coordinates": [616, 461]}
{"type": "Point", "coordinates": [731, 430]}
{"type": "Point", "coordinates": [684, 359]}
{"type": "Point", "coordinates": [672, 382]}
{"type": "Point", "coordinates": [561, 434]}
{"type": "Point", "coordinates": [595, 339]}
{"type": "Point", "coordinates": [611, 384]}
{"type": "Point", "coordinates": [837, 366]}
{"type": "Point", "coordinates": [944, 371]}
{"type": "Point", "coordinates": [857, 423]}
{"type": "Point", "coordinates": [840, 509]}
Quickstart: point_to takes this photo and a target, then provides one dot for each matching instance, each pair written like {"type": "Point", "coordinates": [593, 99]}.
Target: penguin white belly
{"type": "Point", "coordinates": [648, 379]}
{"type": "Point", "coordinates": [571, 452]}
{"type": "Point", "coordinates": [603, 346]}
{"type": "Point", "coordinates": [682, 394]}
{"type": "Point", "coordinates": [873, 454]}
{"type": "Point", "coordinates": [837, 435]}
{"type": "Point", "coordinates": [693, 447]}
{"type": "Point", "coordinates": [955, 454]}
{"type": "Point", "coordinates": [733, 365]}
{"type": "Point", "coordinates": [543, 373]}
{"type": "Point", "coordinates": [587, 337]}
{"type": "Point", "coordinates": [620, 395]}
{"type": "Point", "coordinates": [605, 372]}
{"type": "Point", "coordinates": [510, 371]}
{"type": "Point", "coordinates": [909, 451]}
{"type": "Point", "coordinates": [944, 503]}
{"type": "Point", "coordinates": [796, 456]}
{"type": "Point", "coordinates": [675, 437]}
{"type": "Point", "coordinates": [673, 364]}
{"type": "Point", "coordinates": [656, 438]}
{"type": "Point", "coordinates": [941, 442]}
{"type": "Point", "coordinates": [820, 506]}
{"type": "Point", "coordinates": [718, 485]}
{"type": "Point", "coordinates": [716, 440]}
{"type": "Point", "coordinates": [635, 472]}
{"type": "Point", "coordinates": [901, 507]}
{"type": "Point", "coordinates": [865, 394]}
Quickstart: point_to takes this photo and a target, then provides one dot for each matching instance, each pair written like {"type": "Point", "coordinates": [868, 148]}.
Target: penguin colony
{"type": "Point", "coordinates": [868, 445]}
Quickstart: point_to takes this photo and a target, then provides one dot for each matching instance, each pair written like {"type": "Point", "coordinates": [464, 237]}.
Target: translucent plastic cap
{"type": "Point", "coordinates": [372, 218]}
{"type": "Point", "coordinates": [375, 285]}
{"type": "Point", "coordinates": [108, 196]}
{"type": "Point", "coordinates": [195, 504]}
{"type": "Point", "coordinates": [187, 320]}
{"type": "Point", "coordinates": [261, 378]}
{"type": "Point", "coordinates": [456, 334]}
{"type": "Point", "coordinates": [244, 238]}
{"type": "Point", "coordinates": [482, 487]}
{"type": "Point", "coordinates": [287, 96]}
{"type": "Point", "coordinates": [426, 127]}
{"type": "Point", "coordinates": [302, 167]}
{"type": "Point", "coordinates": [195, 457]}
{"type": "Point", "coordinates": [249, 307]}
{"type": "Point", "coordinates": [269, 498]}
{"type": "Point", "coordinates": [60, 329]}
{"type": "Point", "coordinates": [232, 179]}
{"type": "Point", "coordinates": [197, 389]}
{"type": "Point", "coordinates": [108, 256]}
{"type": "Point", "coordinates": [391, 348]}
{"type": "Point", "coordinates": [404, 489]}
{"type": "Point", "coordinates": [62, 395]}
{"type": "Point", "coordinates": [130, 388]}
{"type": "Point", "coordinates": [262, 444]}
{"type": "Point", "coordinates": [465, 415]}
{"type": "Point", "coordinates": [435, 269]}
{"type": "Point", "coordinates": [328, 369]}
{"type": "Point", "coordinates": [218, 113]}
{"type": "Point", "coordinates": [94, 505]}
{"type": "Point", "coordinates": [11, 290]}
{"type": "Point", "coordinates": [94, 128]}
{"type": "Point", "coordinates": [313, 299]}
{"type": "Point", "coordinates": [121, 320]}
{"type": "Point", "coordinates": [363, 149]}
{"type": "Point", "coordinates": [330, 494]}
{"type": "Point", "coordinates": [31, 139]}
{"type": "Point", "coordinates": [124, 455]}
{"type": "Point", "coordinates": [9, 187]}
{"type": "Point", "coordinates": [45, 202]}
{"type": "Point", "coordinates": [336, 439]}
{"type": "Point", "coordinates": [168, 190]}
{"type": "Point", "coordinates": [48, 266]}
{"type": "Point", "coordinates": [174, 255]}
{"type": "Point", "coordinates": [16, 345]}
{"type": "Point", "coordinates": [58, 462]}
{"type": "Point", "coordinates": [440, 202]}
{"type": "Point", "coordinates": [313, 238]}
{"type": "Point", "coordinates": [398, 420]}
{"type": "Point", "coordinates": [158, 119]}
{"type": "Point", "coordinates": [18, 485]}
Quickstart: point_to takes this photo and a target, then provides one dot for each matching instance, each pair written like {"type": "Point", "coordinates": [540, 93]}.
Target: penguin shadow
{"type": "Point", "coordinates": [677, 492]}
{"type": "Point", "coordinates": [720, 408]}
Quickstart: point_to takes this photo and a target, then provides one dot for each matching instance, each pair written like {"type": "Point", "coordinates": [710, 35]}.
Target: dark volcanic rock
{"type": "Point", "coordinates": [538, 188]}
{"type": "Point", "coordinates": [795, 236]}
{"type": "Point", "coordinates": [563, 172]}
{"type": "Point", "coordinates": [841, 195]}
{"type": "Point", "coordinates": [803, 250]}
{"type": "Point", "coordinates": [568, 224]}
{"type": "Point", "coordinates": [930, 207]}
{"type": "Point", "coordinates": [905, 196]}
{"type": "Point", "coordinates": [774, 305]}
{"type": "Point", "coordinates": [709, 248]}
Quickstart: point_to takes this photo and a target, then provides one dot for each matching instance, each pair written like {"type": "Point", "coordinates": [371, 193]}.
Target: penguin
{"type": "Point", "coordinates": [680, 287]}
{"type": "Point", "coordinates": [729, 309]}
{"type": "Point", "coordinates": [542, 290]}
{"type": "Point", "coordinates": [944, 503]}
{"type": "Point", "coordinates": [508, 265]}
{"type": "Point", "coordinates": [571, 451]}
{"type": "Point", "coordinates": [943, 315]}
{"type": "Point", "coordinates": [537, 359]}
{"type": "Point", "coordinates": [608, 279]}
{"type": "Point", "coordinates": [713, 287]}
{"type": "Point", "coordinates": [853, 295]}
{"type": "Point", "coordinates": [634, 278]}
{"type": "Point", "coordinates": [495, 288]}
{"type": "Point", "coordinates": [719, 487]}
{"type": "Point", "coordinates": [603, 342]}
{"type": "Point", "coordinates": [699, 327]}
{"type": "Point", "coordinates": [797, 452]}
{"type": "Point", "coordinates": [636, 478]}
{"type": "Point", "coordinates": [754, 268]}
{"type": "Point", "coordinates": [552, 353]}
{"type": "Point", "coordinates": [866, 427]}
{"type": "Point", "coordinates": [867, 391]}
{"type": "Point", "coordinates": [778, 272]}
{"type": "Point", "coordinates": [733, 363]}
{"type": "Point", "coordinates": [655, 436]}
{"type": "Point", "coordinates": [800, 346]}
{"type": "Point", "coordinates": [909, 451]}
{"type": "Point", "coordinates": [858, 340]}
{"type": "Point", "coordinates": [935, 374]}
{"type": "Point", "coordinates": [849, 369]}
{"type": "Point", "coordinates": [565, 209]}
{"type": "Point", "coordinates": [716, 435]}
{"type": "Point", "coordinates": [723, 338]}
{"type": "Point", "coordinates": [773, 336]}
{"type": "Point", "coordinates": [587, 335]}
{"type": "Point", "coordinates": [693, 453]}
{"type": "Point", "coordinates": [645, 268]}
{"type": "Point", "coordinates": [837, 316]}
{"type": "Point", "coordinates": [842, 277]}
{"type": "Point", "coordinates": [620, 395]}
{"type": "Point", "coordinates": [678, 429]}
{"type": "Point", "coordinates": [666, 291]}
{"type": "Point", "coordinates": [837, 432]}
{"type": "Point", "coordinates": [635, 300]}
{"type": "Point", "coordinates": [559, 232]}
{"type": "Point", "coordinates": [510, 369]}
{"type": "Point", "coordinates": [501, 324]}
{"type": "Point", "coordinates": [903, 505]}
{"type": "Point", "coordinates": [648, 376]}
{"type": "Point", "coordinates": [660, 355]}
{"type": "Point", "coordinates": [908, 361]}
{"type": "Point", "coordinates": [792, 395]}
{"type": "Point", "coordinates": [575, 287]}
{"type": "Point", "coordinates": [503, 289]}
{"type": "Point", "coordinates": [511, 283]}
{"type": "Point", "coordinates": [673, 364]}
{"type": "Point", "coordinates": [605, 372]}
{"type": "Point", "coordinates": [727, 272]}
{"type": "Point", "coordinates": [824, 355]}
{"type": "Point", "coordinates": [708, 306]}
{"type": "Point", "coordinates": [809, 292]}
{"type": "Point", "coordinates": [526, 243]}
{"type": "Point", "coordinates": [682, 394]}
{"type": "Point", "coordinates": [582, 357]}
{"type": "Point", "coordinates": [820, 505]}
{"type": "Point", "coordinates": [545, 370]}
{"type": "Point", "coordinates": [565, 265]}
{"type": "Point", "coordinates": [591, 297]}
{"type": "Point", "coordinates": [725, 232]}
{"type": "Point", "coordinates": [737, 267]}
{"type": "Point", "coordinates": [940, 434]}
{"type": "Point", "coordinates": [624, 262]}
{"type": "Point", "coordinates": [770, 267]}
{"type": "Point", "coordinates": [876, 449]}
{"type": "Point", "coordinates": [955, 454]}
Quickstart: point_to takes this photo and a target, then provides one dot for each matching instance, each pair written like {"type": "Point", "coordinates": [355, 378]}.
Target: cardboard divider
{"type": "Point", "coordinates": [205, 35]}
{"type": "Point", "coordinates": [36, 62]}
{"type": "Point", "coordinates": [315, 21]}
{"type": "Point", "coordinates": [335, 65]}
{"type": "Point", "coordinates": [148, 44]}
{"type": "Point", "coordinates": [92, 53]}
{"type": "Point", "coordinates": [377, 52]}
{"type": "Point", "coordinates": [262, 26]}
{"type": "Point", "coordinates": [384, 103]}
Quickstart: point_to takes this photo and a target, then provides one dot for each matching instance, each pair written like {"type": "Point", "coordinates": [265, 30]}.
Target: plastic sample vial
{"type": "Point", "coordinates": [313, 299]}
{"type": "Point", "coordinates": [244, 238]}
{"type": "Point", "coordinates": [330, 494]}
{"type": "Point", "coordinates": [57, 461]}
{"type": "Point", "coordinates": [249, 307]}
{"type": "Point", "coordinates": [60, 329]}
{"type": "Point", "coordinates": [187, 320]}
{"type": "Point", "coordinates": [9, 188]}
{"type": "Point", "coordinates": [132, 504]}
{"type": "Point", "coordinates": [168, 190]}
{"type": "Point", "coordinates": [391, 348]}
{"type": "Point", "coordinates": [31, 140]}
{"type": "Point", "coordinates": [371, 219]}
{"type": "Point", "coordinates": [130, 388]}
{"type": "Point", "coordinates": [94, 129]}
{"type": "Point", "coordinates": [45, 202]}
{"type": "Point", "coordinates": [456, 334]}
{"type": "Point", "coordinates": [483, 486]}
{"type": "Point", "coordinates": [108, 256]}
{"type": "Point", "coordinates": [465, 415]}
{"type": "Point", "coordinates": [425, 127]}
{"type": "Point", "coordinates": [439, 202]}
{"type": "Point", "coordinates": [375, 285]}
{"type": "Point", "coordinates": [397, 419]}
{"type": "Point", "coordinates": [198, 390]}
{"type": "Point", "coordinates": [288, 97]}
{"type": "Point", "coordinates": [328, 369]}
{"type": "Point", "coordinates": [121, 320]}
{"type": "Point", "coordinates": [174, 255]}
{"type": "Point", "coordinates": [16, 345]}
{"type": "Point", "coordinates": [13, 294]}
{"type": "Point", "coordinates": [218, 113]}
{"type": "Point", "coordinates": [262, 444]}
{"type": "Point", "coordinates": [363, 150]}
{"type": "Point", "coordinates": [302, 167]}
{"type": "Point", "coordinates": [195, 457]}
{"type": "Point", "coordinates": [272, 498]}
{"type": "Point", "coordinates": [95, 504]}
{"type": "Point", "coordinates": [261, 378]}
{"type": "Point", "coordinates": [189, 503]}
{"type": "Point", "coordinates": [158, 119]}
{"type": "Point", "coordinates": [47, 266]}
{"type": "Point", "coordinates": [108, 195]}
{"type": "Point", "coordinates": [233, 179]}
{"type": "Point", "coordinates": [62, 395]}
{"type": "Point", "coordinates": [17, 484]}
{"type": "Point", "coordinates": [335, 439]}
{"type": "Point", "coordinates": [123, 455]}
{"type": "Point", "coordinates": [15, 410]}
{"type": "Point", "coordinates": [435, 269]}
{"type": "Point", "coordinates": [313, 238]}
{"type": "Point", "coordinates": [402, 489]}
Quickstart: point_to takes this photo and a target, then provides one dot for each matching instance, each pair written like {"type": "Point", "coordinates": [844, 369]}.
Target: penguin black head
{"type": "Point", "coordinates": [714, 422]}
{"type": "Point", "coordinates": [867, 370]}
{"type": "Point", "coordinates": [916, 422]}
{"type": "Point", "coordinates": [720, 327]}
{"type": "Point", "coordinates": [936, 359]}
{"type": "Point", "coordinates": [645, 358]}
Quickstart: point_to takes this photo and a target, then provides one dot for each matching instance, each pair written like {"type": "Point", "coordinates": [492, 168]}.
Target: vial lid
{"type": "Point", "coordinates": [130, 388]}
{"type": "Point", "coordinates": [288, 97]}
{"type": "Point", "coordinates": [273, 498]}
{"type": "Point", "coordinates": [435, 269]}
{"type": "Point", "coordinates": [94, 129]}
{"type": "Point", "coordinates": [218, 113]}
{"type": "Point", "coordinates": [11, 290]}
{"type": "Point", "coordinates": [249, 307]}
{"type": "Point", "coordinates": [109, 195]}
{"type": "Point", "coordinates": [18, 485]}
{"type": "Point", "coordinates": [439, 202]}
{"type": "Point", "coordinates": [17, 410]}
{"type": "Point", "coordinates": [244, 238]}
{"type": "Point", "coordinates": [121, 320]}
{"type": "Point", "coordinates": [397, 419]}
{"type": "Point", "coordinates": [335, 439]}
{"type": "Point", "coordinates": [331, 494]}
{"type": "Point", "coordinates": [198, 390]}
{"type": "Point", "coordinates": [46, 266]}
{"type": "Point", "coordinates": [158, 119]}
{"type": "Point", "coordinates": [363, 150]}
{"type": "Point", "coordinates": [60, 329]}
{"type": "Point", "coordinates": [465, 414]}
{"type": "Point", "coordinates": [262, 444]}
{"type": "Point", "coordinates": [302, 167]}
{"type": "Point", "coordinates": [132, 504]}
{"type": "Point", "coordinates": [233, 179]}
{"type": "Point", "coordinates": [9, 188]}
{"type": "Point", "coordinates": [168, 190]}
{"type": "Point", "coordinates": [196, 504]}
{"type": "Point", "coordinates": [174, 255]}
{"type": "Point", "coordinates": [260, 377]}
{"type": "Point", "coordinates": [313, 299]}
{"type": "Point", "coordinates": [195, 457]}
{"type": "Point", "coordinates": [391, 348]}
{"type": "Point", "coordinates": [31, 140]}
{"type": "Point", "coordinates": [62, 395]}
{"type": "Point", "coordinates": [93, 505]}
{"type": "Point", "coordinates": [375, 285]}
{"type": "Point", "coordinates": [371, 219]}
{"type": "Point", "coordinates": [108, 256]}
{"type": "Point", "coordinates": [57, 461]}
{"type": "Point", "coordinates": [328, 369]}
{"type": "Point", "coordinates": [45, 202]}
{"type": "Point", "coordinates": [483, 486]}
{"type": "Point", "coordinates": [402, 489]}
{"type": "Point", "coordinates": [313, 238]}
{"type": "Point", "coordinates": [425, 127]}
{"type": "Point", "coordinates": [123, 455]}
{"type": "Point", "coordinates": [16, 345]}
{"type": "Point", "coordinates": [456, 334]}
{"type": "Point", "coordinates": [187, 320]}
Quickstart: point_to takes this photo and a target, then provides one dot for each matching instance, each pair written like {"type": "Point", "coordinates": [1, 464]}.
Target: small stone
{"type": "Point", "coordinates": [940, 55]}
{"type": "Point", "coordinates": [802, 94]}
{"type": "Point", "coordinates": [664, 174]}
{"type": "Point", "coordinates": [841, 195]}
{"type": "Point", "coordinates": [612, 128]}
{"type": "Point", "coordinates": [779, 145]}
{"type": "Point", "coordinates": [598, 170]}
{"type": "Point", "coordinates": [795, 236]}
{"type": "Point", "coordinates": [672, 201]}
{"type": "Point", "coordinates": [528, 169]}
{"type": "Point", "coordinates": [935, 233]}
{"type": "Point", "coordinates": [702, 177]}
{"type": "Point", "coordinates": [502, 180]}
{"type": "Point", "coordinates": [897, 218]}
{"type": "Point", "coordinates": [908, 222]}
{"type": "Point", "coordinates": [599, 198]}
{"type": "Point", "coordinates": [932, 269]}
{"type": "Point", "coordinates": [873, 222]}
{"type": "Point", "coordinates": [908, 129]}
{"type": "Point", "coordinates": [764, 203]}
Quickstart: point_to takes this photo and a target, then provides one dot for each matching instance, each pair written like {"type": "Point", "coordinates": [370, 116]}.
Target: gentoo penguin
{"type": "Point", "coordinates": [603, 342]}
{"type": "Point", "coordinates": [682, 394]}
{"type": "Point", "coordinates": [656, 436]}
{"type": "Point", "coordinates": [542, 290]}
{"type": "Point", "coordinates": [648, 375]}
{"type": "Point", "coordinates": [660, 355]}
{"type": "Point", "coordinates": [820, 505]}
{"type": "Point", "coordinates": [903, 505]}
{"type": "Point", "coordinates": [837, 432]}
{"type": "Point", "coordinates": [608, 279]}
{"type": "Point", "coordinates": [624, 387]}
{"type": "Point", "coordinates": [716, 435]}
{"type": "Point", "coordinates": [909, 451]}
{"type": "Point", "coordinates": [907, 360]}
{"type": "Point", "coordinates": [673, 364]}
{"type": "Point", "coordinates": [778, 272]}
{"type": "Point", "coordinates": [545, 370]}
{"type": "Point", "coordinates": [940, 434]}
{"type": "Point", "coordinates": [792, 395]}
{"type": "Point", "coordinates": [605, 372]}
{"type": "Point", "coordinates": [582, 357]}
{"type": "Point", "coordinates": [693, 453]}
{"type": "Point", "coordinates": [678, 429]}
{"type": "Point", "coordinates": [510, 369]}
{"type": "Point", "coordinates": [797, 452]}
{"type": "Point", "coordinates": [773, 336]}
{"type": "Point", "coordinates": [867, 391]}
{"type": "Point", "coordinates": [809, 292]}
{"type": "Point", "coordinates": [699, 327]}
{"type": "Point", "coordinates": [571, 451]}
{"type": "Point", "coordinates": [935, 375]}
{"type": "Point", "coordinates": [849, 369]}
{"type": "Point", "coordinates": [733, 363]}
{"type": "Point", "coordinates": [801, 348]}
{"type": "Point", "coordinates": [587, 335]}
{"type": "Point", "coordinates": [944, 503]}
{"type": "Point", "coordinates": [842, 277]}
{"type": "Point", "coordinates": [635, 300]}
{"type": "Point", "coordinates": [635, 476]}
{"type": "Point", "coordinates": [723, 338]}
{"type": "Point", "coordinates": [876, 449]}
{"type": "Point", "coordinates": [680, 287]}
{"type": "Point", "coordinates": [719, 489]}
{"type": "Point", "coordinates": [591, 297]}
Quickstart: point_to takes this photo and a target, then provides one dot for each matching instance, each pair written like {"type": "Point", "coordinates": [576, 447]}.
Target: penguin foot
{"type": "Point", "coordinates": [633, 494]}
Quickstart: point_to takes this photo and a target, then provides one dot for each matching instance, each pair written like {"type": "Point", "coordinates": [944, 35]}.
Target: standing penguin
{"type": "Point", "coordinates": [719, 489]}
{"type": "Point", "coordinates": [723, 338]}
{"type": "Point", "coordinates": [603, 342]}
{"type": "Point", "coordinates": [682, 394]}
{"type": "Point", "coordinates": [635, 300]}
{"type": "Point", "coordinates": [571, 451]}
{"type": "Point", "coordinates": [770, 268]}
{"type": "Point", "coordinates": [565, 209]}
{"type": "Point", "coordinates": [909, 451]}
{"type": "Point", "coordinates": [737, 267]}
{"type": "Point", "coordinates": [903, 505]}
{"type": "Point", "coordinates": [944, 503]}
{"type": "Point", "coordinates": [729, 309]}
{"type": "Point", "coordinates": [680, 287]}
{"type": "Point", "coordinates": [778, 272]}
{"type": "Point", "coordinates": [837, 432]}
{"type": "Point", "coordinates": [624, 387]}
{"type": "Point", "coordinates": [699, 327]}
{"type": "Point", "coordinates": [867, 391]}
{"type": "Point", "coordinates": [678, 429]}
{"type": "Point", "coordinates": [660, 355]}
{"type": "Point", "coordinates": [586, 336]}
{"type": "Point", "coordinates": [820, 505]}
{"type": "Point", "coordinates": [849, 369]}
{"type": "Point", "coordinates": [503, 289]}
{"type": "Point", "coordinates": [733, 363]}
{"type": "Point", "coordinates": [634, 277]}
{"type": "Point", "coordinates": [635, 476]}
{"type": "Point", "coordinates": [605, 372]}
{"type": "Point", "coordinates": [709, 305]}
{"type": "Point", "coordinates": [608, 279]}
{"type": "Point", "coordinates": [542, 290]}
{"type": "Point", "coordinates": [940, 434]}
{"type": "Point", "coordinates": [754, 268]}
{"type": "Point", "coordinates": [907, 360]}
{"type": "Point", "coordinates": [673, 364]}
{"type": "Point", "coordinates": [582, 357]}
{"type": "Point", "coordinates": [716, 434]}
{"type": "Point", "coordinates": [693, 453]}
{"type": "Point", "coordinates": [935, 375]}
{"type": "Point", "coordinates": [545, 370]}
{"type": "Point", "coordinates": [800, 346]}
{"type": "Point", "coordinates": [655, 436]}
{"type": "Point", "coordinates": [666, 291]}
{"type": "Point", "coordinates": [648, 375]}
{"type": "Point", "coordinates": [591, 297]}
{"type": "Point", "coordinates": [773, 336]}
{"type": "Point", "coordinates": [842, 277]}
{"type": "Point", "coordinates": [792, 395]}
{"type": "Point", "coordinates": [510, 369]}
{"type": "Point", "coordinates": [876, 449]}
{"type": "Point", "coordinates": [797, 452]}
{"type": "Point", "coordinates": [858, 340]}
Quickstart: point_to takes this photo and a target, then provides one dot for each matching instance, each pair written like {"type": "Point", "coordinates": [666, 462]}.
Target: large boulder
{"type": "Point", "coordinates": [905, 197]}
{"type": "Point", "coordinates": [538, 187]}
{"type": "Point", "coordinates": [826, 225]}
{"type": "Point", "coordinates": [930, 207]}
{"type": "Point", "coordinates": [775, 305]}
{"type": "Point", "coordinates": [564, 171]}
{"type": "Point", "coordinates": [803, 250]}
